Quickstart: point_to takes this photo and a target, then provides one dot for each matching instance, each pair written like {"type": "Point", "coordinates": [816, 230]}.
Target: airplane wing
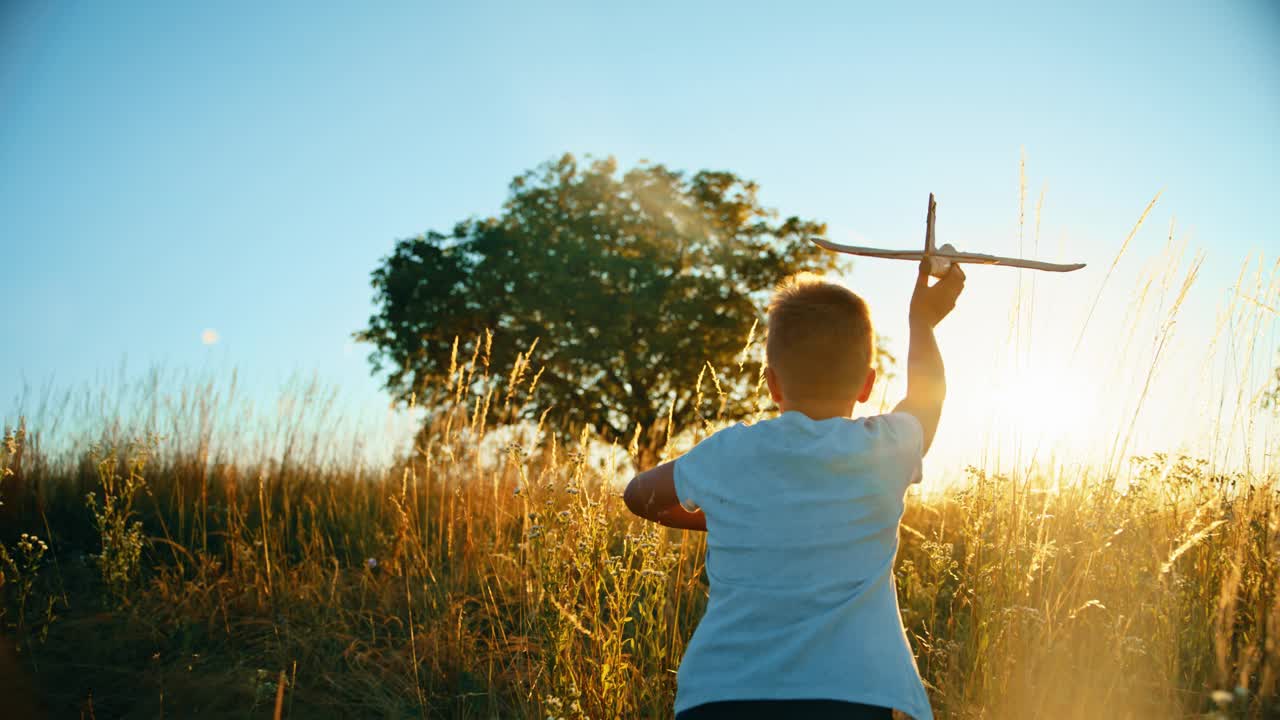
{"type": "Point", "coordinates": [971, 258]}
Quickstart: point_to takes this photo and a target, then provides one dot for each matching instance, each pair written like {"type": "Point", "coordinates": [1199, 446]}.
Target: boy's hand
{"type": "Point", "coordinates": [929, 305]}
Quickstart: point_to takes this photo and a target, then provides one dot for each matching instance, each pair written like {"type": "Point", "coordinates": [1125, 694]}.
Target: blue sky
{"type": "Point", "coordinates": [167, 168]}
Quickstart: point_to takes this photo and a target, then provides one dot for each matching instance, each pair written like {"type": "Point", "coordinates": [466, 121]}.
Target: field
{"type": "Point", "coordinates": [497, 574]}
{"type": "Point", "coordinates": [152, 569]}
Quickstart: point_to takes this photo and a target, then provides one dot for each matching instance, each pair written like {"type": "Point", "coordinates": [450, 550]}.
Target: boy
{"type": "Point", "coordinates": [802, 516]}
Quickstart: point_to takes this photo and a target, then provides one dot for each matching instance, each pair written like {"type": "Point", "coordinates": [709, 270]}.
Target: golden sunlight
{"type": "Point", "coordinates": [1044, 404]}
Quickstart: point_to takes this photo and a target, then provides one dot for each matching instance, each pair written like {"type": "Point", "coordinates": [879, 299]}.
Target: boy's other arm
{"type": "Point", "coordinates": [652, 496]}
{"type": "Point", "coordinates": [926, 377]}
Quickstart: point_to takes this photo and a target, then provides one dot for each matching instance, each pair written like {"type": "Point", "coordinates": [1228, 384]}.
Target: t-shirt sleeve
{"type": "Point", "coordinates": [903, 436]}
{"type": "Point", "coordinates": [697, 470]}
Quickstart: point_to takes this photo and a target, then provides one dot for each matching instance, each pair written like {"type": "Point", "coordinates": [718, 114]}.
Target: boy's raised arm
{"type": "Point", "coordinates": [926, 379]}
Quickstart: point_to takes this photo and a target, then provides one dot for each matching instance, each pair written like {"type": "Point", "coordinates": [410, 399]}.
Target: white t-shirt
{"type": "Point", "coordinates": [802, 530]}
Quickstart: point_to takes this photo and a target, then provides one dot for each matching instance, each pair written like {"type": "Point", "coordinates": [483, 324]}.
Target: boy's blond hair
{"type": "Point", "coordinates": [821, 341]}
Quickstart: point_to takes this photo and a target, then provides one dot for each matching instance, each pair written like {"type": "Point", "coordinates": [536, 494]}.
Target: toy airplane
{"type": "Point", "coordinates": [941, 258]}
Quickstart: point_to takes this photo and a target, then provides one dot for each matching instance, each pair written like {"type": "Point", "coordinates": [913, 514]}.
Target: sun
{"type": "Point", "coordinates": [1047, 404]}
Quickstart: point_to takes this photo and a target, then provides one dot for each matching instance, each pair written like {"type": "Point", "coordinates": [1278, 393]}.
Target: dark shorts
{"type": "Point", "coordinates": [785, 710]}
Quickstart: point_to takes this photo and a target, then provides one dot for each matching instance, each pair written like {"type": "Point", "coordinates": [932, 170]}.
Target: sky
{"type": "Point", "coordinates": [206, 188]}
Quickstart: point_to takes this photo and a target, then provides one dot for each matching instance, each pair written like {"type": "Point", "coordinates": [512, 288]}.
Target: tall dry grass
{"type": "Point", "coordinates": [497, 574]}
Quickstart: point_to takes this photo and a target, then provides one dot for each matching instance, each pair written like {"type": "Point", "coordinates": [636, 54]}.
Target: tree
{"type": "Point", "coordinates": [631, 284]}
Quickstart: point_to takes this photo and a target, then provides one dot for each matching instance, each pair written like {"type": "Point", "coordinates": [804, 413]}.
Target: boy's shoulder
{"type": "Point", "coordinates": [888, 446]}
{"type": "Point", "coordinates": [882, 427]}
{"type": "Point", "coordinates": [896, 426]}
{"type": "Point", "coordinates": [895, 431]}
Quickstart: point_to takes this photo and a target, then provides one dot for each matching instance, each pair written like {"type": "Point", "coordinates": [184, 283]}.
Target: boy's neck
{"type": "Point", "coordinates": [819, 410]}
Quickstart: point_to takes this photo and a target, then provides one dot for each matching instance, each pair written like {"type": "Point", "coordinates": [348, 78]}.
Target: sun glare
{"type": "Point", "coordinates": [1044, 404]}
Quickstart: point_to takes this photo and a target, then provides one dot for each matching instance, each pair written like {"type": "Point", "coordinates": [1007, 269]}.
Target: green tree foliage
{"type": "Point", "coordinates": [632, 284]}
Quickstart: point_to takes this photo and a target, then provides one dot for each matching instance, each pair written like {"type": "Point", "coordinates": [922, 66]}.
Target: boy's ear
{"type": "Point", "coordinates": [775, 387]}
{"type": "Point", "coordinates": [865, 393]}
